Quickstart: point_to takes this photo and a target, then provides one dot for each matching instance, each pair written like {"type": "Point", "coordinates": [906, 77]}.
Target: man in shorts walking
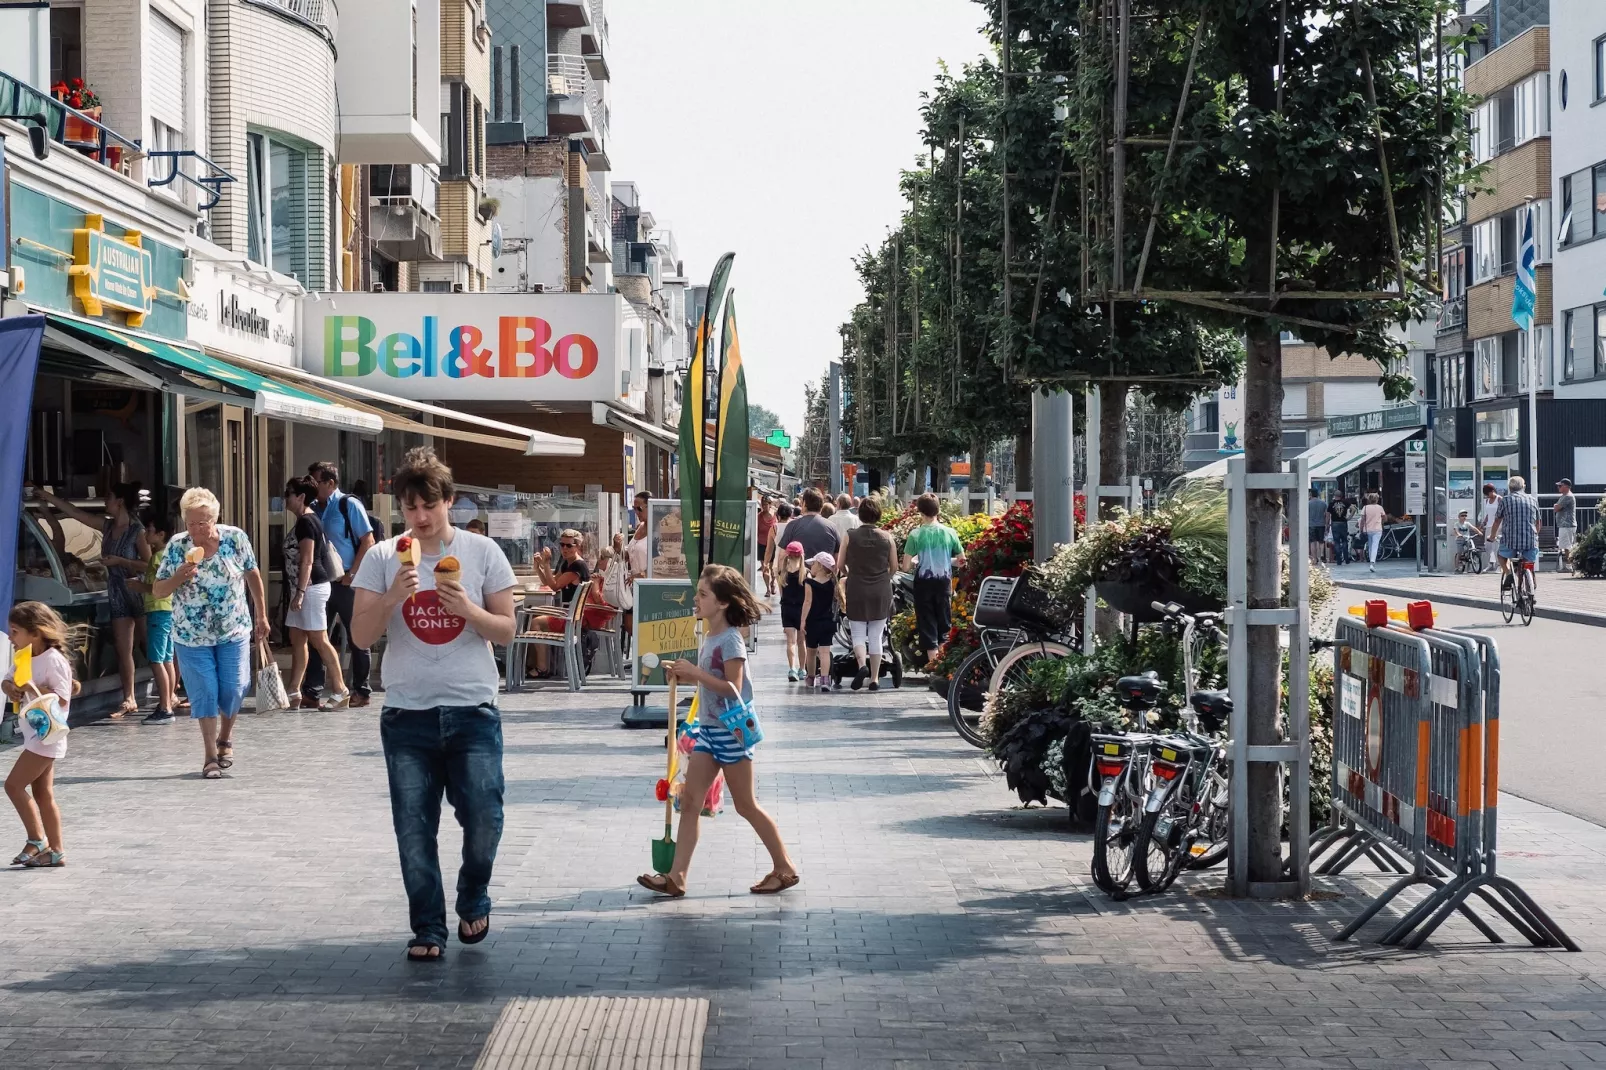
{"type": "Point", "coordinates": [1566, 522]}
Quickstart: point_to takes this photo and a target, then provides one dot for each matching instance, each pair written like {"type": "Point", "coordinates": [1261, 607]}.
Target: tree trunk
{"type": "Point", "coordinates": [1113, 434]}
{"type": "Point", "coordinates": [976, 492]}
{"type": "Point", "coordinates": [1023, 459]}
{"type": "Point", "coordinates": [1112, 465]}
{"type": "Point", "coordinates": [940, 468]}
{"type": "Point", "coordinates": [1263, 409]}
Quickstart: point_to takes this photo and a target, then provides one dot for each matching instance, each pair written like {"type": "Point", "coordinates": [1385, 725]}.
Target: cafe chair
{"type": "Point", "coordinates": [566, 642]}
{"type": "Point", "coordinates": [610, 640]}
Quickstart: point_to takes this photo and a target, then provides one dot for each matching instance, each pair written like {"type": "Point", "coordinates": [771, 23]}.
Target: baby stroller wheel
{"type": "Point", "coordinates": [897, 669]}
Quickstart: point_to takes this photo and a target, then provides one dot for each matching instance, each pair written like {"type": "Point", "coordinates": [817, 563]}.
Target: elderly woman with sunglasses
{"type": "Point", "coordinates": [567, 578]}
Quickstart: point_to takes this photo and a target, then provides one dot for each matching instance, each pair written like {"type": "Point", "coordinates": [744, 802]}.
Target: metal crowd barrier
{"type": "Point", "coordinates": [1416, 780]}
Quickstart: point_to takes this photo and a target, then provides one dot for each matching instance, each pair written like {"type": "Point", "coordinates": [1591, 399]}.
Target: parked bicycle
{"type": "Point", "coordinates": [1517, 596]}
{"type": "Point", "coordinates": [1020, 623]}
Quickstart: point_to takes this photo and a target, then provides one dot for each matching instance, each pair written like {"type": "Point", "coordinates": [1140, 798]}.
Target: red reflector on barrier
{"type": "Point", "coordinates": [1377, 613]}
{"type": "Point", "coordinates": [1419, 615]}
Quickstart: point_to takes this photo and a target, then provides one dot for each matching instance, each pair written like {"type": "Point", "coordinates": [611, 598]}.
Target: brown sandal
{"type": "Point", "coordinates": [211, 770]}
{"type": "Point", "coordinates": [657, 882]}
{"type": "Point", "coordinates": [775, 883]}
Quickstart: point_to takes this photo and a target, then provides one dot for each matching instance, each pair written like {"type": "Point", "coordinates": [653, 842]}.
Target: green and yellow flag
{"type": "Point", "coordinates": [729, 545]}
{"type": "Point", "coordinates": [693, 409]}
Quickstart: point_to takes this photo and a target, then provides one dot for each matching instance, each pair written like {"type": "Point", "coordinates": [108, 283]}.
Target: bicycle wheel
{"type": "Point", "coordinates": [1157, 860]}
{"type": "Point", "coordinates": [1526, 600]}
{"type": "Point", "coordinates": [967, 691]}
{"type": "Point", "coordinates": [1015, 665]}
{"type": "Point", "coordinates": [1209, 848]}
{"type": "Point", "coordinates": [1477, 564]}
{"type": "Point", "coordinates": [1114, 835]}
{"type": "Point", "coordinates": [1508, 602]}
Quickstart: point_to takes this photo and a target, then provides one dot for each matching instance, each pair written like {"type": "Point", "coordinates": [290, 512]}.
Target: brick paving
{"type": "Point", "coordinates": [259, 922]}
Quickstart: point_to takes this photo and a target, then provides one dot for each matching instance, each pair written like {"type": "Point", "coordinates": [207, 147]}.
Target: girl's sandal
{"type": "Point", "coordinates": [775, 883]}
{"type": "Point", "coordinates": [129, 706]}
{"type": "Point", "coordinates": [46, 860]}
{"type": "Point", "coordinates": [30, 850]}
{"type": "Point", "coordinates": [212, 771]}
{"type": "Point", "coordinates": [225, 754]}
{"type": "Point", "coordinates": [427, 946]}
{"type": "Point", "coordinates": [657, 882]}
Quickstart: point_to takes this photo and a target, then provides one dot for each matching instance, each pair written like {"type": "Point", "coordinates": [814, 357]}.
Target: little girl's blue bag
{"type": "Point", "coordinates": [739, 720]}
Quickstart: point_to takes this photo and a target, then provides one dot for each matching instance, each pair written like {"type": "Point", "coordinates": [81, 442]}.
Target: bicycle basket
{"type": "Point", "coordinates": [1032, 606]}
{"type": "Point", "coordinates": [992, 603]}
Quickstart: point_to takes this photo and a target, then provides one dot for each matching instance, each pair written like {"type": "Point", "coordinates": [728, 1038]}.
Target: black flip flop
{"type": "Point", "coordinates": [476, 937]}
{"type": "Point", "coordinates": [425, 958]}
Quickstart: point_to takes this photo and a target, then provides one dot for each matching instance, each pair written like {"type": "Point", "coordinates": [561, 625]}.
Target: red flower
{"type": "Point", "coordinates": [76, 83]}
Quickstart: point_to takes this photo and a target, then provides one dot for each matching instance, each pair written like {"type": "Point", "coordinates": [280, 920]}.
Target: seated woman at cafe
{"type": "Point", "coordinates": [565, 578]}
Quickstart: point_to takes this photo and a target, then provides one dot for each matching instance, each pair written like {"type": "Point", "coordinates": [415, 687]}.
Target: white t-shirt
{"type": "Point", "coordinates": [844, 520]}
{"type": "Point", "coordinates": [433, 658]}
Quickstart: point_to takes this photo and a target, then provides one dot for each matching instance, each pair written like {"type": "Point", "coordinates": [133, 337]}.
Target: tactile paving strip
{"type": "Point", "coordinates": [597, 1033]}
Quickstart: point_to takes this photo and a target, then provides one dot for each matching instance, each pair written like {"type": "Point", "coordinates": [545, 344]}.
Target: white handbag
{"type": "Point", "coordinates": [616, 586]}
{"type": "Point", "coordinates": [271, 694]}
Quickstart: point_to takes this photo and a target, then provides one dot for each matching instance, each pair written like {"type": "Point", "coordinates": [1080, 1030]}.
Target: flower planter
{"type": "Point", "coordinates": [1137, 598]}
{"type": "Point", "coordinates": [78, 132]}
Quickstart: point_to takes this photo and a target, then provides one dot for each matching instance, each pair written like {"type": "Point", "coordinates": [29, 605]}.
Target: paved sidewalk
{"type": "Point", "coordinates": [1562, 596]}
{"type": "Point", "coordinates": [259, 921]}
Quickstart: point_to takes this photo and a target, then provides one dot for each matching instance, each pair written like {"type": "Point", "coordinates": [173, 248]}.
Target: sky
{"type": "Point", "coordinates": [777, 131]}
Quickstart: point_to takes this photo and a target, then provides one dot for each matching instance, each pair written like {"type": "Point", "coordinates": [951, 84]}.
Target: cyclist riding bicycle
{"type": "Point", "coordinates": [1516, 527]}
{"type": "Point", "coordinates": [1466, 532]}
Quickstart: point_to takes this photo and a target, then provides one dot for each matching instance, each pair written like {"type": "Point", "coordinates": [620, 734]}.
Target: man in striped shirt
{"type": "Point", "coordinates": [1516, 524]}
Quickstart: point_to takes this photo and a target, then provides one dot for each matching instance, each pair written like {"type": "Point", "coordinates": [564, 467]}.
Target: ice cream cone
{"type": "Point", "coordinates": [195, 555]}
{"type": "Point", "coordinates": [449, 568]}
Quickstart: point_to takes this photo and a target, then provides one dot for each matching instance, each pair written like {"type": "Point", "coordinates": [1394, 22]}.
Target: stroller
{"type": "Point", "coordinates": [844, 664]}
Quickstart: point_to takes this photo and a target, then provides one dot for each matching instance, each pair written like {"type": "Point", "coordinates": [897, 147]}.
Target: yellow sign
{"type": "Point", "coordinates": [110, 272]}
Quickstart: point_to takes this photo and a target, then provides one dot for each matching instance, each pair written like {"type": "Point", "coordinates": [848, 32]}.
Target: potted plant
{"type": "Point", "coordinates": [81, 99]}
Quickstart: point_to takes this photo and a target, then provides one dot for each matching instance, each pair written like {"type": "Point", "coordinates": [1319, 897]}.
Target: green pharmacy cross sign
{"type": "Point", "coordinates": [780, 439]}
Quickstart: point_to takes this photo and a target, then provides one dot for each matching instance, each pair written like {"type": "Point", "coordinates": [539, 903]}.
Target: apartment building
{"type": "Point", "coordinates": [548, 132]}
{"type": "Point", "coordinates": [1573, 427]}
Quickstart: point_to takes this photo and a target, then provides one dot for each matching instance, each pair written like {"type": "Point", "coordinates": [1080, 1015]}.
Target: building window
{"type": "Point", "coordinates": [283, 215]}
{"type": "Point", "coordinates": [1564, 230]}
{"type": "Point", "coordinates": [1454, 273]}
{"type": "Point", "coordinates": [1570, 326]}
{"type": "Point", "coordinates": [1600, 340]}
{"type": "Point", "coordinates": [1543, 250]}
{"type": "Point", "coordinates": [1600, 69]}
{"type": "Point", "coordinates": [1485, 251]}
{"type": "Point", "coordinates": [479, 139]}
{"type": "Point", "coordinates": [1531, 108]}
{"type": "Point", "coordinates": [1486, 368]}
{"type": "Point", "coordinates": [1534, 348]}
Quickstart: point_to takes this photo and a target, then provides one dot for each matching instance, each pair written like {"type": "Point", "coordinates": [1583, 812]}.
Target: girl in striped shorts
{"type": "Point", "coordinates": [725, 605]}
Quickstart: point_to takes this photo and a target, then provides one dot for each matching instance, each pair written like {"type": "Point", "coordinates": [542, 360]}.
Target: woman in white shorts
{"type": "Point", "coordinates": [308, 562]}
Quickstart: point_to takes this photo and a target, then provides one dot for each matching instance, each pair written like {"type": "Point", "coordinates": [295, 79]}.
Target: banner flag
{"type": "Point", "coordinates": [729, 545]}
{"type": "Point", "coordinates": [19, 361]}
{"type": "Point", "coordinates": [693, 416]}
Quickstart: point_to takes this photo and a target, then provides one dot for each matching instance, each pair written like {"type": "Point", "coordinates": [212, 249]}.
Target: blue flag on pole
{"type": "Point", "coordinates": [19, 360]}
{"type": "Point", "coordinates": [1522, 293]}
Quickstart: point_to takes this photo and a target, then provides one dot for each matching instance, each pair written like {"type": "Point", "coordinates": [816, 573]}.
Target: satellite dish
{"type": "Point", "coordinates": [496, 239]}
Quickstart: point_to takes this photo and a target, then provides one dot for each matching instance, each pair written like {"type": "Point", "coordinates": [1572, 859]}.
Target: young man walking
{"type": "Point", "coordinates": [1339, 512]}
{"type": "Point", "coordinates": [1316, 520]}
{"type": "Point", "coordinates": [440, 727]}
{"type": "Point", "coordinates": [346, 527]}
{"type": "Point", "coordinates": [932, 550]}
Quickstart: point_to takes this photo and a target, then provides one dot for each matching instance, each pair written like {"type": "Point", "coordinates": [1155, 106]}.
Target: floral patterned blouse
{"type": "Point", "coordinates": [211, 609]}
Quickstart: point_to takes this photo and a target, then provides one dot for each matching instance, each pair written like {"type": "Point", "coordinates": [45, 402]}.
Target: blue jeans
{"type": "Point", "coordinates": [1341, 551]}
{"type": "Point", "coordinates": [456, 750]}
{"type": "Point", "coordinates": [216, 678]}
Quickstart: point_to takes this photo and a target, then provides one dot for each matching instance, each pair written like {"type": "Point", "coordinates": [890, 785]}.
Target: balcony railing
{"type": "Point", "coordinates": [68, 126]}
{"type": "Point", "coordinates": [601, 220]}
{"type": "Point", "coordinates": [321, 15]}
{"type": "Point", "coordinates": [1453, 316]}
{"type": "Point", "coordinates": [567, 76]}
{"type": "Point", "coordinates": [599, 20]}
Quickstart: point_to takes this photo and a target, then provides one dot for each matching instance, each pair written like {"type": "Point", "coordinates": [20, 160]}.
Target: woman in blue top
{"type": "Point", "coordinates": [207, 571]}
{"type": "Point", "coordinates": [725, 605]}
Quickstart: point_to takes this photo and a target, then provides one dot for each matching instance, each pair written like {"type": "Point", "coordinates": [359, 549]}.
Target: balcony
{"type": "Point", "coordinates": [403, 212]}
{"type": "Point", "coordinates": [599, 234]}
{"type": "Point", "coordinates": [1453, 316]}
{"type": "Point", "coordinates": [594, 41]}
{"type": "Point", "coordinates": [574, 103]}
{"type": "Point", "coordinates": [321, 15]}
{"type": "Point", "coordinates": [387, 80]}
{"type": "Point", "coordinates": [69, 127]}
{"type": "Point", "coordinates": [568, 14]}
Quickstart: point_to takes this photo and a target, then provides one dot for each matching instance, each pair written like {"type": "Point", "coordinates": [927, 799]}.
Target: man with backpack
{"type": "Point", "coordinates": [351, 535]}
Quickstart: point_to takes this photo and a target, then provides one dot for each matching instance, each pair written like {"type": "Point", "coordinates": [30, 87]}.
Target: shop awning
{"type": "Point", "coordinates": [605, 415]}
{"type": "Point", "coordinates": [1213, 470]}
{"type": "Point", "coordinates": [509, 436]}
{"type": "Point", "coordinates": [174, 368]}
{"type": "Point", "coordinates": [1332, 457]}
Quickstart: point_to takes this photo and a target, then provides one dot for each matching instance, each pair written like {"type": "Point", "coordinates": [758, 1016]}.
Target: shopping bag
{"type": "Point", "coordinates": [740, 721]}
{"type": "Point", "coordinates": [43, 714]}
{"type": "Point", "coordinates": [270, 685]}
